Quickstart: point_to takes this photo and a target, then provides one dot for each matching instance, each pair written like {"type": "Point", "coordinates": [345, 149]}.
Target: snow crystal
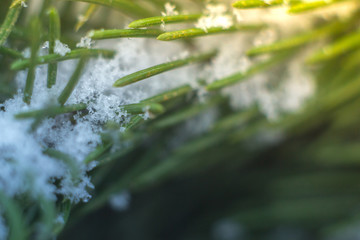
{"type": "Point", "coordinates": [61, 48]}
{"type": "Point", "coordinates": [215, 16]}
{"type": "Point", "coordinates": [45, 45]}
{"type": "Point", "coordinates": [60, 219]}
{"type": "Point", "coordinates": [24, 4]}
{"type": "Point", "coordinates": [120, 201]}
{"type": "Point", "coordinates": [169, 10]}
{"type": "Point", "coordinates": [85, 42]}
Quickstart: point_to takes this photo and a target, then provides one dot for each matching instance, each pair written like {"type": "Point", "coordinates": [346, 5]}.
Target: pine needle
{"type": "Point", "coordinates": [53, 58]}
{"type": "Point", "coordinates": [65, 94]}
{"type": "Point", "coordinates": [124, 33]}
{"type": "Point", "coordinates": [138, 108]}
{"type": "Point", "coordinates": [313, 5]}
{"type": "Point", "coordinates": [300, 39]}
{"type": "Point", "coordinates": [245, 4]}
{"type": "Point", "coordinates": [10, 52]}
{"type": "Point", "coordinates": [339, 47]}
{"type": "Point", "coordinates": [125, 6]}
{"type": "Point", "coordinates": [9, 22]}
{"type": "Point", "coordinates": [82, 19]}
{"type": "Point", "coordinates": [153, 21]}
{"type": "Point", "coordinates": [35, 44]}
{"type": "Point", "coordinates": [197, 32]}
{"type": "Point", "coordinates": [54, 35]}
{"type": "Point", "coordinates": [149, 72]}
{"type": "Point", "coordinates": [240, 76]}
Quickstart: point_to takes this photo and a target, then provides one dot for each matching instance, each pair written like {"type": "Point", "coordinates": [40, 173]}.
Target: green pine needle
{"type": "Point", "coordinates": [240, 76]}
{"type": "Point", "coordinates": [308, 6]}
{"type": "Point", "coordinates": [139, 108]}
{"type": "Point", "coordinates": [245, 4]}
{"type": "Point", "coordinates": [300, 39]}
{"type": "Point", "coordinates": [125, 6]}
{"type": "Point", "coordinates": [51, 111]}
{"type": "Point", "coordinates": [53, 58]}
{"type": "Point", "coordinates": [90, 10]}
{"type": "Point", "coordinates": [339, 47]}
{"type": "Point", "coordinates": [15, 217]}
{"type": "Point", "coordinates": [9, 22]}
{"type": "Point", "coordinates": [149, 72]}
{"type": "Point", "coordinates": [54, 35]}
{"type": "Point", "coordinates": [124, 33]}
{"type": "Point", "coordinates": [75, 77]}
{"type": "Point", "coordinates": [184, 114]}
{"type": "Point", "coordinates": [146, 22]}
{"type": "Point", "coordinates": [10, 52]}
{"type": "Point", "coordinates": [197, 32]}
{"type": "Point", "coordinates": [168, 95]}
{"type": "Point", "coordinates": [35, 27]}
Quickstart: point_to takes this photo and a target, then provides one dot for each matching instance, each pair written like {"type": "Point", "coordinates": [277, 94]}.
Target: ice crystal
{"type": "Point", "coordinates": [215, 16]}
{"type": "Point", "coordinates": [120, 201]}
{"type": "Point", "coordinates": [170, 10]}
{"type": "Point", "coordinates": [85, 42]}
{"type": "Point", "coordinates": [61, 48]}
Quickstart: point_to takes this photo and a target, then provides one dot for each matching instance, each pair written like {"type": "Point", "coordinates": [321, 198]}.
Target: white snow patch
{"type": "Point", "coordinates": [120, 201]}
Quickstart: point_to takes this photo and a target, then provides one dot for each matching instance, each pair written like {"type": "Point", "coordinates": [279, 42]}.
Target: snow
{"type": "Point", "coordinates": [120, 201]}
{"type": "Point", "coordinates": [61, 48]}
{"type": "Point", "coordinates": [170, 10]}
{"type": "Point", "coordinates": [22, 154]}
{"type": "Point", "coordinates": [215, 15]}
{"type": "Point", "coordinates": [26, 170]}
{"type": "Point", "coordinates": [24, 4]}
{"type": "Point", "coordinates": [85, 42]}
